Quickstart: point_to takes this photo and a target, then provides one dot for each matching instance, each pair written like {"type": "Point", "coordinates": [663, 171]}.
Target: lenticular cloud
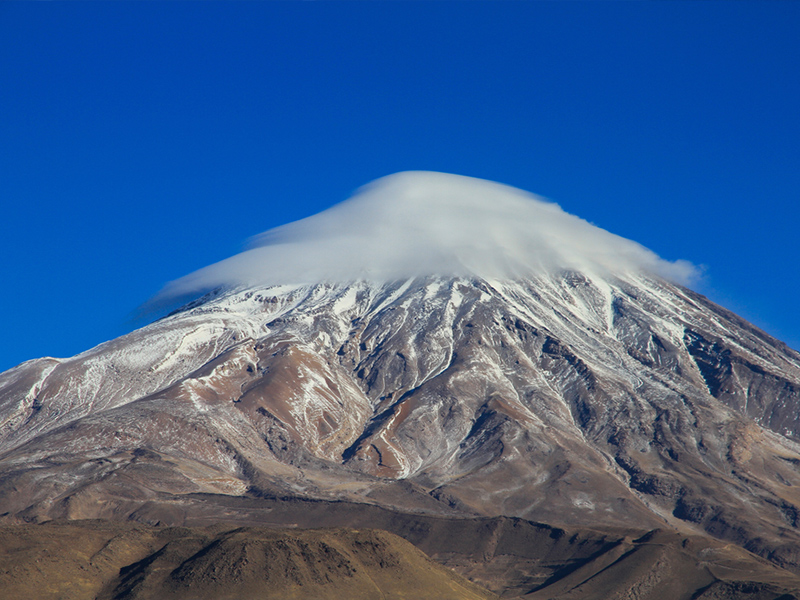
{"type": "Point", "coordinates": [424, 223]}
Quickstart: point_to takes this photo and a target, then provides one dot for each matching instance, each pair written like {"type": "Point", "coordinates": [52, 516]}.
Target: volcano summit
{"type": "Point", "coordinates": [421, 223]}
{"type": "Point", "coordinates": [520, 394]}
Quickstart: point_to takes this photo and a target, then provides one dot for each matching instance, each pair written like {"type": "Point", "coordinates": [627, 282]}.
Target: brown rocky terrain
{"type": "Point", "coordinates": [109, 560]}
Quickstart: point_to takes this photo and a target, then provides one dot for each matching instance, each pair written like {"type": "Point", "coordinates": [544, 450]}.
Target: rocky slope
{"type": "Point", "coordinates": [105, 560]}
{"type": "Point", "coordinates": [570, 398]}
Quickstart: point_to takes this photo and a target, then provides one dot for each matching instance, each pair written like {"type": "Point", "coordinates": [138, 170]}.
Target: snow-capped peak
{"type": "Point", "coordinates": [424, 223]}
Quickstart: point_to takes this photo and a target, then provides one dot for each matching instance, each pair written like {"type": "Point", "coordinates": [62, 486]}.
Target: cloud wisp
{"type": "Point", "coordinates": [420, 223]}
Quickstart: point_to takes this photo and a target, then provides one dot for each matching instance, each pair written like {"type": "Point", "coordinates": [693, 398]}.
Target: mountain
{"type": "Point", "coordinates": [604, 402]}
{"type": "Point", "coordinates": [573, 401]}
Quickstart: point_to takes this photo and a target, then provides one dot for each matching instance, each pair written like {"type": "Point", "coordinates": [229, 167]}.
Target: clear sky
{"type": "Point", "coordinates": [142, 141]}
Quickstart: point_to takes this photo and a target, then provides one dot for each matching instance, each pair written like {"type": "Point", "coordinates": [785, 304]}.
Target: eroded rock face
{"type": "Point", "coordinates": [571, 398]}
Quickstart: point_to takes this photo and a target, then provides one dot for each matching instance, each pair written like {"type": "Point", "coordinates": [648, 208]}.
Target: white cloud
{"type": "Point", "coordinates": [425, 223]}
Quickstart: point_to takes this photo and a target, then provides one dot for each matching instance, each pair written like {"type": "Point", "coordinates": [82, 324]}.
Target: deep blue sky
{"type": "Point", "coordinates": [141, 141]}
